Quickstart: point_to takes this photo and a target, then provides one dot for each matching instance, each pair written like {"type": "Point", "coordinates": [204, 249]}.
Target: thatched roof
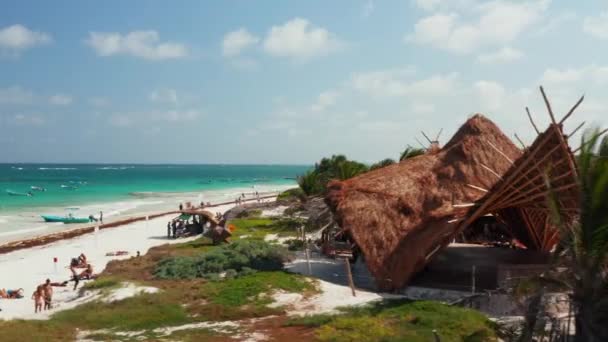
{"type": "Point", "coordinates": [400, 215]}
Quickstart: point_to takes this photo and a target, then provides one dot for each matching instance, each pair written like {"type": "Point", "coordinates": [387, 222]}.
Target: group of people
{"type": "Point", "coordinates": [79, 263]}
{"type": "Point", "coordinates": [176, 228]}
{"type": "Point", "coordinates": [43, 296]}
{"type": "Point", "coordinates": [242, 198]}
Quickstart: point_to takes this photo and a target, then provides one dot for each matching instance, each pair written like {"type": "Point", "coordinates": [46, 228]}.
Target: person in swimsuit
{"type": "Point", "coordinates": [48, 294]}
{"type": "Point", "coordinates": [38, 297]}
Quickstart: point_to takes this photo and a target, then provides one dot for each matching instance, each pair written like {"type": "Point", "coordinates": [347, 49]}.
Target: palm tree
{"type": "Point", "coordinates": [410, 152]}
{"type": "Point", "coordinates": [583, 247]}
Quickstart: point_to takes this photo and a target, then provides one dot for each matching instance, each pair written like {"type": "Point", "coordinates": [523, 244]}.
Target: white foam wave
{"type": "Point", "coordinates": [115, 167]}
{"type": "Point", "coordinates": [57, 168]}
{"type": "Point", "coordinates": [23, 231]}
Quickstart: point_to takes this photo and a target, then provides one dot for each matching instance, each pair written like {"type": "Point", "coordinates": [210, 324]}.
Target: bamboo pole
{"type": "Point", "coordinates": [532, 121]}
{"type": "Point", "coordinates": [351, 283]}
{"type": "Point", "coordinates": [491, 171]}
{"type": "Point", "coordinates": [576, 130]}
{"type": "Point", "coordinates": [572, 109]}
{"type": "Point", "coordinates": [520, 141]}
{"type": "Point", "coordinates": [542, 91]}
{"type": "Point", "coordinates": [477, 187]}
{"type": "Point", "coordinates": [427, 138]}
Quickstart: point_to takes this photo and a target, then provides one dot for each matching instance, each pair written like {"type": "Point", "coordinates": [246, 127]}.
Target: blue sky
{"type": "Point", "coordinates": [285, 81]}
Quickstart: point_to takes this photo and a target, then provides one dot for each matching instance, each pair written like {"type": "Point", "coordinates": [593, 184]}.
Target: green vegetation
{"type": "Point", "coordinates": [291, 195]}
{"type": "Point", "coordinates": [21, 330]}
{"type": "Point", "coordinates": [314, 182]}
{"type": "Point", "coordinates": [381, 164]}
{"type": "Point", "coordinates": [146, 311]}
{"type": "Point", "coordinates": [258, 228]}
{"type": "Point", "coordinates": [401, 320]}
{"type": "Point", "coordinates": [102, 283]}
{"type": "Point", "coordinates": [232, 259]}
{"type": "Point", "coordinates": [583, 246]}
{"type": "Point", "coordinates": [251, 289]}
{"type": "Point", "coordinates": [411, 152]}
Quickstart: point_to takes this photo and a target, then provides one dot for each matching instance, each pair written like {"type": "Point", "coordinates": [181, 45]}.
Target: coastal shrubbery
{"type": "Point", "coordinates": [238, 258]}
{"type": "Point", "coordinates": [314, 182]}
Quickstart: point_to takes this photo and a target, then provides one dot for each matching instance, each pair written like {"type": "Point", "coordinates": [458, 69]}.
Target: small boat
{"type": "Point", "coordinates": [65, 219]}
{"type": "Point", "coordinates": [13, 193]}
{"type": "Point", "coordinates": [37, 188]}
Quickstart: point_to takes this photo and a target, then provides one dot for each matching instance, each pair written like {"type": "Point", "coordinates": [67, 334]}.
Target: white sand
{"type": "Point", "coordinates": [128, 290]}
{"type": "Point", "coordinates": [278, 211]}
{"type": "Point", "coordinates": [28, 268]}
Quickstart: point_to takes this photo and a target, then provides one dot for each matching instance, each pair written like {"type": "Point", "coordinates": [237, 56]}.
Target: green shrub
{"type": "Point", "coordinates": [241, 256]}
{"type": "Point", "coordinates": [101, 283]}
{"type": "Point", "coordinates": [292, 194]}
{"type": "Point", "coordinates": [294, 244]}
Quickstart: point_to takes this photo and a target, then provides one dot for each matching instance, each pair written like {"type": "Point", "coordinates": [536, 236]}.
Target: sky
{"type": "Point", "coordinates": [286, 82]}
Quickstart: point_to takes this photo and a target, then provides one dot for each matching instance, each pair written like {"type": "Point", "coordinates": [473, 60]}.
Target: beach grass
{"type": "Point", "coordinates": [258, 228]}
{"type": "Point", "coordinates": [102, 283]}
{"type": "Point", "coordinates": [400, 320]}
{"type": "Point", "coordinates": [29, 330]}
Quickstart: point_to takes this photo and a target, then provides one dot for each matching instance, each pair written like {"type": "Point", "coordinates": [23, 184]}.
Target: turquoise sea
{"type": "Point", "coordinates": [125, 189]}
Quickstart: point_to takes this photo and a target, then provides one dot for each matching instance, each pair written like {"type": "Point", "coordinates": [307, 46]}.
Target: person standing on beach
{"type": "Point", "coordinates": [101, 217]}
{"type": "Point", "coordinates": [38, 297]}
{"type": "Point", "coordinates": [48, 295]}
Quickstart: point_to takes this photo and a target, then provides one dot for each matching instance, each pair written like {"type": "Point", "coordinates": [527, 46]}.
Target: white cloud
{"type": "Point", "coordinates": [597, 26]}
{"type": "Point", "coordinates": [398, 82]}
{"type": "Point", "coordinates": [326, 99]}
{"type": "Point", "coordinates": [491, 94]}
{"type": "Point", "coordinates": [595, 74]}
{"type": "Point", "coordinates": [492, 23]}
{"type": "Point", "coordinates": [61, 99]}
{"type": "Point", "coordinates": [368, 8]}
{"type": "Point", "coordinates": [120, 120]}
{"type": "Point", "coordinates": [422, 108]}
{"type": "Point", "coordinates": [143, 44]}
{"type": "Point", "coordinates": [427, 5]}
{"type": "Point", "coordinates": [17, 38]}
{"type": "Point", "coordinates": [504, 55]}
{"type": "Point", "coordinates": [28, 120]}
{"type": "Point", "coordinates": [236, 41]}
{"type": "Point", "coordinates": [16, 95]}
{"type": "Point", "coordinates": [178, 115]}
{"type": "Point", "coordinates": [99, 101]}
{"type": "Point", "coordinates": [164, 95]}
{"type": "Point", "coordinates": [300, 40]}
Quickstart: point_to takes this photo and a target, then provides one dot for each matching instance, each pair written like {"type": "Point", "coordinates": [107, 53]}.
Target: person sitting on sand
{"type": "Point", "coordinates": [87, 273]}
{"type": "Point", "coordinates": [48, 294]}
{"type": "Point", "coordinates": [38, 297]}
{"type": "Point", "coordinates": [82, 259]}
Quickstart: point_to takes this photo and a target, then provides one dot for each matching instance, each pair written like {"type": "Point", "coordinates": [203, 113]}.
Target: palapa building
{"type": "Point", "coordinates": [402, 215]}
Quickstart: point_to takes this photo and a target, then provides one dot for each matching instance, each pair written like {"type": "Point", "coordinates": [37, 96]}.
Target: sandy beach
{"type": "Point", "coordinates": [30, 267]}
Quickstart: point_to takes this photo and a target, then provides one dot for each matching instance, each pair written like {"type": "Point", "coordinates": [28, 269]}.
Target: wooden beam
{"type": "Point", "coordinates": [572, 109]}
{"type": "Point", "coordinates": [477, 187]}
{"type": "Point", "coordinates": [418, 141]}
{"type": "Point", "coordinates": [491, 171]}
{"type": "Point", "coordinates": [532, 121]}
{"type": "Point", "coordinates": [438, 134]}
{"type": "Point", "coordinates": [542, 91]}
{"type": "Point", "coordinates": [499, 151]}
{"type": "Point", "coordinates": [464, 205]}
{"type": "Point", "coordinates": [427, 138]}
{"type": "Point", "coordinates": [575, 130]}
{"type": "Point", "coordinates": [520, 141]}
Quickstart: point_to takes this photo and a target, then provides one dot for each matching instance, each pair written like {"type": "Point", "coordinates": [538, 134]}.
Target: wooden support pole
{"type": "Point", "coordinates": [542, 91]}
{"type": "Point", "coordinates": [427, 138]}
{"type": "Point", "coordinates": [438, 134]}
{"type": "Point", "coordinates": [421, 144]}
{"type": "Point", "coordinates": [532, 121]}
{"type": "Point", "coordinates": [473, 279]}
{"type": "Point", "coordinates": [520, 141]}
{"type": "Point", "coordinates": [575, 130]}
{"type": "Point", "coordinates": [572, 109]}
{"type": "Point", "coordinates": [351, 283]}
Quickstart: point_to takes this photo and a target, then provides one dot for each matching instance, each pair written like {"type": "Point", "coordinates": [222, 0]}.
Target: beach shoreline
{"type": "Point", "coordinates": [30, 265]}
{"type": "Point", "coordinates": [45, 239]}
